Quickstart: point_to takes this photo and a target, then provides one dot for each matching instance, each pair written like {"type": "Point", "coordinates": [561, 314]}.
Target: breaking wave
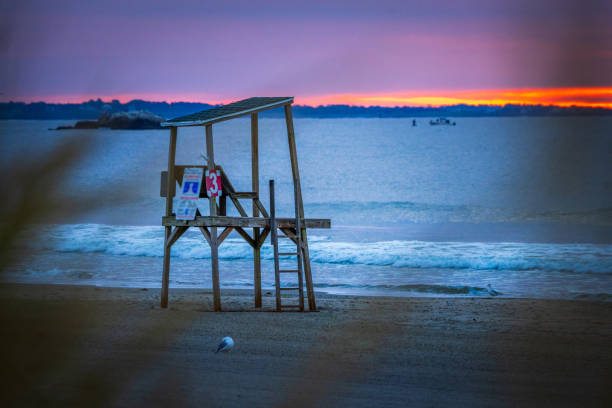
{"type": "Point", "coordinates": [148, 241]}
{"type": "Point", "coordinates": [416, 288]}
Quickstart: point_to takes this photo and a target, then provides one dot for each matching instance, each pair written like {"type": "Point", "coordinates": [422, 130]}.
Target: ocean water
{"type": "Point", "coordinates": [523, 204]}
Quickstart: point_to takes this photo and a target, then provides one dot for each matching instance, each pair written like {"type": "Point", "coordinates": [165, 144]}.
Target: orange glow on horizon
{"type": "Point", "coordinates": [564, 97]}
{"type": "Point", "coordinates": [584, 97]}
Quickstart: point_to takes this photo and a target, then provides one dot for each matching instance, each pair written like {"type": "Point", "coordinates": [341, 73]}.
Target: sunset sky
{"type": "Point", "coordinates": [388, 53]}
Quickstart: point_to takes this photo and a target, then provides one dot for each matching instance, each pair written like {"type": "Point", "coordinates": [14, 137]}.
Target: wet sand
{"type": "Point", "coordinates": [88, 346]}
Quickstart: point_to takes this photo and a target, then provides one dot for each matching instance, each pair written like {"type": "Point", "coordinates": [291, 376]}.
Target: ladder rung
{"type": "Point", "coordinates": [282, 236]}
{"type": "Point", "coordinates": [287, 306]}
{"type": "Point", "coordinates": [289, 288]}
{"type": "Point", "coordinates": [288, 271]}
{"type": "Point", "coordinates": [287, 253]}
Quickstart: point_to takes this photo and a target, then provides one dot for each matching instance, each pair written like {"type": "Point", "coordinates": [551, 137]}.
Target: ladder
{"type": "Point", "coordinates": [295, 239]}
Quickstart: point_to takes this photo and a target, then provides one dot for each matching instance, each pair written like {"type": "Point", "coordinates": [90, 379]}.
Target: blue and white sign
{"type": "Point", "coordinates": [192, 183]}
{"type": "Point", "coordinates": [186, 210]}
{"type": "Point", "coordinates": [189, 193]}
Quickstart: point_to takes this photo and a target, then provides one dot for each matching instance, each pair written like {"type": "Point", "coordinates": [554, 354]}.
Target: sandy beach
{"type": "Point", "coordinates": [93, 346]}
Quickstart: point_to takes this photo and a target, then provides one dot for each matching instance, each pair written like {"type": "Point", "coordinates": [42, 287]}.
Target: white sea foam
{"type": "Point", "coordinates": [148, 241]}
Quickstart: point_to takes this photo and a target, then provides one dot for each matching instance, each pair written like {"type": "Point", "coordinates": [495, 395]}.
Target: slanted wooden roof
{"type": "Point", "coordinates": [229, 111]}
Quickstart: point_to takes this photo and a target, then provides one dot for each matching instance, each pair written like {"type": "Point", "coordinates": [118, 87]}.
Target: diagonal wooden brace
{"type": "Point", "coordinates": [246, 236]}
{"type": "Point", "coordinates": [224, 235]}
{"type": "Point", "coordinates": [262, 209]}
{"type": "Point", "coordinates": [175, 235]}
{"type": "Point", "coordinates": [262, 237]}
{"type": "Point", "coordinates": [206, 233]}
{"type": "Point", "coordinates": [290, 233]}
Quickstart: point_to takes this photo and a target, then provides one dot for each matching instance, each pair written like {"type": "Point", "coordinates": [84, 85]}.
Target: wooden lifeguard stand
{"type": "Point", "coordinates": [262, 222]}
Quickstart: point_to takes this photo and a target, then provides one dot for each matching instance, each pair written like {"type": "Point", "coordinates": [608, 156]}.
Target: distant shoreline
{"type": "Point", "coordinates": [92, 109]}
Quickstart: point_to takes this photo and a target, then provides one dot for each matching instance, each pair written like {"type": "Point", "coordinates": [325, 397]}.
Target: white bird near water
{"type": "Point", "coordinates": [491, 291]}
{"type": "Point", "coordinates": [226, 345]}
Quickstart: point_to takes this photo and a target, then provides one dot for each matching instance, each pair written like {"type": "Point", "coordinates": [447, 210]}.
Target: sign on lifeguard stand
{"type": "Point", "coordinates": [213, 183]}
{"type": "Point", "coordinates": [190, 192]}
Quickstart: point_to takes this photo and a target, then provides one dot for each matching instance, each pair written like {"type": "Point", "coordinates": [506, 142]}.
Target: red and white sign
{"type": "Point", "coordinates": [213, 183]}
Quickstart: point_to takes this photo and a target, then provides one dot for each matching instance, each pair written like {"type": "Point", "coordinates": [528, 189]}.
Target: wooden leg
{"type": "Point", "coordinates": [214, 257]}
{"type": "Point", "coordinates": [274, 239]}
{"type": "Point", "coordinates": [214, 246]}
{"type": "Point", "coordinates": [166, 271]}
{"type": "Point", "coordinates": [257, 271]}
{"type": "Point", "coordinates": [296, 182]}
{"type": "Point", "coordinates": [255, 188]}
{"type": "Point", "coordinates": [168, 230]}
{"type": "Point", "coordinates": [312, 306]}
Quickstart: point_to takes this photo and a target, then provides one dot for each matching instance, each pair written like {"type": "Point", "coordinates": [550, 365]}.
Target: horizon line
{"type": "Point", "coordinates": [586, 97]}
{"type": "Point", "coordinates": [597, 106]}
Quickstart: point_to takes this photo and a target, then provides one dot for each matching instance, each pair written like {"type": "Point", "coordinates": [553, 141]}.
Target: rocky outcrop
{"type": "Point", "coordinates": [85, 124]}
{"type": "Point", "coordinates": [120, 120]}
{"type": "Point", "coordinates": [130, 120]}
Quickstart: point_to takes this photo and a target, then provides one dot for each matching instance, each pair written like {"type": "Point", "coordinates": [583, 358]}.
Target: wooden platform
{"type": "Point", "coordinates": [245, 222]}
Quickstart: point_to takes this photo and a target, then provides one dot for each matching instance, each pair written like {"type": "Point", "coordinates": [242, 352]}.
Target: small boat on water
{"type": "Point", "coordinates": [441, 121]}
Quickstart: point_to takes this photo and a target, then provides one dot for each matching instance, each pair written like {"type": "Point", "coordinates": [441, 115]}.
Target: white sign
{"type": "Point", "coordinates": [186, 210]}
{"type": "Point", "coordinates": [189, 194]}
{"type": "Point", "coordinates": [192, 183]}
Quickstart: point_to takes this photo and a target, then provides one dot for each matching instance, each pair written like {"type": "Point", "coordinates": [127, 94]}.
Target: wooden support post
{"type": "Point", "coordinates": [223, 204]}
{"type": "Point", "coordinates": [274, 232]}
{"type": "Point", "coordinates": [255, 189]}
{"type": "Point", "coordinates": [168, 232]}
{"type": "Point", "coordinates": [296, 182]}
{"type": "Point", "coordinates": [214, 248]}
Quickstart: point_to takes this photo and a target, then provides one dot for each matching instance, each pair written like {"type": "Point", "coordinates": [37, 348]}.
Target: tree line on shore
{"type": "Point", "coordinates": [93, 109]}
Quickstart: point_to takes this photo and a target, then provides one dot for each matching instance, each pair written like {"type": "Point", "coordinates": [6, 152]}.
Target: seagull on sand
{"type": "Point", "coordinates": [492, 291]}
{"type": "Point", "coordinates": [226, 345]}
